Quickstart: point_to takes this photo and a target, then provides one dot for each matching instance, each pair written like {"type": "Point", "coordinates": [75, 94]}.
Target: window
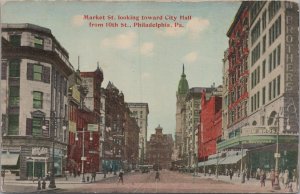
{"type": "Point", "coordinates": [264, 19]}
{"type": "Point", "coordinates": [255, 54]}
{"type": "Point", "coordinates": [255, 32]}
{"type": "Point", "coordinates": [13, 125]}
{"type": "Point", "coordinates": [278, 85]}
{"type": "Point", "coordinates": [263, 95]}
{"type": "Point", "coordinates": [15, 40]}
{"type": "Point", "coordinates": [36, 126]}
{"type": "Point", "coordinates": [270, 62]}
{"type": "Point", "coordinates": [37, 100]}
{"type": "Point", "coordinates": [14, 68]}
{"type": "Point", "coordinates": [270, 90]}
{"type": "Point", "coordinates": [38, 43]}
{"type": "Point", "coordinates": [264, 69]}
{"type": "Point", "coordinates": [258, 96]}
{"type": "Point", "coordinates": [14, 96]}
{"type": "Point", "coordinates": [275, 30]}
{"type": "Point", "coordinates": [273, 8]}
{"type": "Point", "coordinates": [278, 55]}
{"type": "Point", "coordinates": [274, 88]}
{"type": "Point", "coordinates": [264, 44]}
{"type": "Point", "coordinates": [37, 72]}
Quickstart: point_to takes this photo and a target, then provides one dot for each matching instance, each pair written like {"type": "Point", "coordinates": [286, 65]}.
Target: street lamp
{"type": "Point", "coordinates": [83, 158]}
{"type": "Point", "coordinates": [52, 127]}
{"type": "Point", "coordinates": [276, 185]}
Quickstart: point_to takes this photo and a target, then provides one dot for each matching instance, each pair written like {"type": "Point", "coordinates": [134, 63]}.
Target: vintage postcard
{"type": "Point", "coordinates": [149, 97]}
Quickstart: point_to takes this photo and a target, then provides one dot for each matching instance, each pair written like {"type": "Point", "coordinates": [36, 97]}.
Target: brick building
{"type": "Point", "coordinates": [211, 123]}
{"type": "Point", "coordinates": [160, 149]}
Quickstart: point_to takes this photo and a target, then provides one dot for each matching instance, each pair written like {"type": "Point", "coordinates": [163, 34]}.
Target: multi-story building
{"type": "Point", "coordinates": [114, 136]}
{"type": "Point", "coordinates": [193, 100]}
{"type": "Point", "coordinates": [131, 150]}
{"type": "Point", "coordinates": [84, 125]}
{"type": "Point", "coordinates": [238, 71]}
{"type": "Point", "coordinates": [273, 86]}
{"type": "Point", "coordinates": [211, 123]}
{"type": "Point", "coordinates": [180, 133]}
{"type": "Point", "coordinates": [102, 127]}
{"type": "Point", "coordinates": [140, 112]}
{"type": "Point", "coordinates": [159, 151]}
{"type": "Point", "coordinates": [34, 100]}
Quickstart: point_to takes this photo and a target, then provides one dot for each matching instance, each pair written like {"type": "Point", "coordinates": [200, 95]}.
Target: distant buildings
{"type": "Point", "coordinates": [159, 150]}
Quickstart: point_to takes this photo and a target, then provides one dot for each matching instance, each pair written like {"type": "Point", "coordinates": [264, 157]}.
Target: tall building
{"type": "Point", "coordinates": [34, 100]}
{"type": "Point", "coordinates": [273, 86]}
{"type": "Point", "coordinates": [114, 135]}
{"type": "Point", "coordinates": [159, 151]}
{"type": "Point", "coordinates": [183, 88]}
{"type": "Point", "coordinates": [193, 100]}
{"type": "Point", "coordinates": [225, 96]}
{"type": "Point", "coordinates": [140, 112]}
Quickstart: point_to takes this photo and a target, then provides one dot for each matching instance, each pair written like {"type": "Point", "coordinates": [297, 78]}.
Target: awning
{"type": "Point", "coordinates": [9, 159]}
{"type": "Point", "coordinates": [231, 160]}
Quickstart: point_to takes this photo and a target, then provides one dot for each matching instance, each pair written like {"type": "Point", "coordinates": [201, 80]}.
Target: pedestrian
{"type": "Point", "coordinates": [93, 176]}
{"type": "Point", "coordinates": [121, 176]}
{"type": "Point", "coordinates": [226, 171]}
{"type": "Point", "coordinates": [231, 173]}
{"type": "Point", "coordinates": [209, 172]}
{"type": "Point", "coordinates": [157, 176]}
{"type": "Point", "coordinates": [74, 173]}
{"type": "Point", "coordinates": [258, 173]}
{"type": "Point", "coordinates": [286, 178]}
{"type": "Point", "coordinates": [262, 178]}
{"type": "Point", "coordinates": [272, 177]}
{"type": "Point", "coordinates": [247, 174]}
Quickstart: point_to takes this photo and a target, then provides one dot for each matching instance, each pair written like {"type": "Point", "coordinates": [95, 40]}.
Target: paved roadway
{"type": "Point", "coordinates": [170, 182]}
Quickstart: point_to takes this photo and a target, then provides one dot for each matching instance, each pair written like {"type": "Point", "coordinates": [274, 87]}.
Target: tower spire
{"type": "Point", "coordinates": [98, 65]}
{"type": "Point", "coordinates": [183, 68]}
{"type": "Point", "coordinates": [78, 68]}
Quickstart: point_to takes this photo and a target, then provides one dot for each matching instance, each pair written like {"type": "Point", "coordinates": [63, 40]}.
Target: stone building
{"type": "Point", "coordinates": [159, 151]}
{"type": "Point", "coordinates": [34, 100]}
{"type": "Point", "coordinates": [140, 112]}
{"type": "Point", "coordinates": [273, 86]}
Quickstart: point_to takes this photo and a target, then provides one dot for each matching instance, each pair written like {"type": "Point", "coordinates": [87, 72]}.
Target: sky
{"type": "Point", "coordinates": [144, 63]}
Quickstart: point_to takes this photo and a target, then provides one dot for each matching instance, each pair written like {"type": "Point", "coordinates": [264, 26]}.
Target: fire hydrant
{"type": "Point", "coordinates": [44, 184]}
{"type": "Point", "coordinates": [39, 185]}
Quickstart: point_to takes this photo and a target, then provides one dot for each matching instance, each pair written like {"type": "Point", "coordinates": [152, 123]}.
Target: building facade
{"type": "Point", "coordinates": [273, 86]}
{"type": "Point", "coordinates": [211, 123]}
{"type": "Point", "coordinates": [114, 135]}
{"type": "Point", "coordinates": [159, 151]}
{"type": "Point", "coordinates": [34, 99]}
{"type": "Point", "coordinates": [140, 112]}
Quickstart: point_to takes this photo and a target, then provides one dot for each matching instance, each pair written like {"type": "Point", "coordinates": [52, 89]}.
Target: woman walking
{"type": "Point", "coordinates": [262, 178]}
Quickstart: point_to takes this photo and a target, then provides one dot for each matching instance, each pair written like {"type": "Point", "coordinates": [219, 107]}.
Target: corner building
{"type": "Point", "coordinates": [34, 83]}
{"type": "Point", "coordinates": [273, 87]}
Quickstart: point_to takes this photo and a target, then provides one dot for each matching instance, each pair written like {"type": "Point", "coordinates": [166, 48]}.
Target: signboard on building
{"type": "Point", "coordinates": [93, 127]}
{"type": "Point", "coordinates": [72, 126]}
{"type": "Point", "coordinates": [37, 151]}
{"type": "Point", "coordinates": [75, 93]}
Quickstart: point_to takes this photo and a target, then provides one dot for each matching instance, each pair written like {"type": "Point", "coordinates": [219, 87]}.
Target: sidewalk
{"type": "Point", "coordinates": [13, 180]}
{"type": "Point", "coordinates": [251, 182]}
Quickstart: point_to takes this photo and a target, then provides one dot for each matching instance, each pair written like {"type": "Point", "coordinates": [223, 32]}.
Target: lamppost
{"type": "Point", "coordinates": [83, 157]}
{"type": "Point", "coordinates": [52, 128]}
{"type": "Point", "coordinates": [276, 185]}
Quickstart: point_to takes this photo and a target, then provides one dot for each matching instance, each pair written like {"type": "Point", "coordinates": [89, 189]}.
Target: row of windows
{"type": "Point", "coordinates": [273, 92]}
{"type": "Point", "coordinates": [15, 40]}
{"type": "Point", "coordinates": [14, 97]}
{"type": "Point", "coordinates": [274, 58]}
{"type": "Point", "coordinates": [255, 9]}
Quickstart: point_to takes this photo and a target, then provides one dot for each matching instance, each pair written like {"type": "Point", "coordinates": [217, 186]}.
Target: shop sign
{"type": "Point", "coordinates": [37, 151]}
{"type": "Point", "coordinates": [93, 127]}
{"type": "Point", "coordinates": [72, 126]}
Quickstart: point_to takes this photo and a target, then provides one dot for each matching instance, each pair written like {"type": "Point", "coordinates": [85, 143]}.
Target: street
{"type": "Point", "coordinates": [136, 182]}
